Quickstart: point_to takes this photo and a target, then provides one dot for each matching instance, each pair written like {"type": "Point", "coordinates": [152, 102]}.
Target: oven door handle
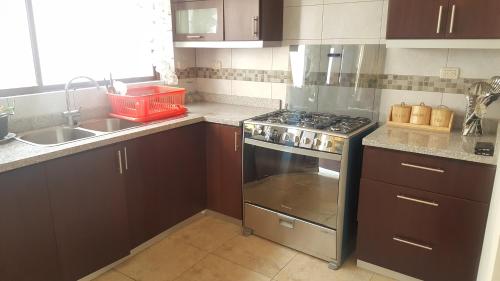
{"type": "Point", "coordinates": [286, 221]}
{"type": "Point", "coordinates": [294, 150]}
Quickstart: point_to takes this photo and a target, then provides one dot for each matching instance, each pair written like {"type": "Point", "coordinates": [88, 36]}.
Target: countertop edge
{"type": "Point", "coordinates": [455, 155]}
{"type": "Point", "coordinates": [37, 154]}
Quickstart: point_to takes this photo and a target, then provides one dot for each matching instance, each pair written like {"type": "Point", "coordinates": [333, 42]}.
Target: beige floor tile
{"type": "Point", "coordinates": [163, 261]}
{"type": "Point", "coordinates": [256, 254]}
{"type": "Point", "coordinates": [207, 233]}
{"type": "Point", "coordinates": [213, 268]}
{"type": "Point", "coordinates": [306, 268]}
{"type": "Point", "coordinates": [113, 275]}
{"type": "Point", "coordinates": [377, 277]}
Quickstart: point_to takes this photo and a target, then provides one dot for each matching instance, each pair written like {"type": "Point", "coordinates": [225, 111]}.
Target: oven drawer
{"type": "Point", "coordinates": [421, 234]}
{"type": "Point", "coordinates": [441, 175]}
{"type": "Point", "coordinates": [295, 233]}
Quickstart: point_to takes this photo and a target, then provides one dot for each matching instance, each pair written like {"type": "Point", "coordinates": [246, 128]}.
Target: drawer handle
{"type": "Point", "coordinates": [418, 200]}
{"type": "Point", "coordinates": [412, 243]}
{"type": "Point", "coordinates": [422, 168]}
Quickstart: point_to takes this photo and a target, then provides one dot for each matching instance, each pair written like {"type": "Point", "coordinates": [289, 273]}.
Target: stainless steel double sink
{"type": "Point", "coordinates": [63, 134]}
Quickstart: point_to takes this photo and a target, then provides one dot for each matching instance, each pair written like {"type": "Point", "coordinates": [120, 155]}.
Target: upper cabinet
{"type": "Point", "coordinates": [227, 20]}
{"type": "Point", "coordinates": [443, 19]}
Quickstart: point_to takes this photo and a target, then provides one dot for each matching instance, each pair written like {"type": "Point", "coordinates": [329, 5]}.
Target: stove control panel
{"type": "Point", "coordinates": [295, 137]}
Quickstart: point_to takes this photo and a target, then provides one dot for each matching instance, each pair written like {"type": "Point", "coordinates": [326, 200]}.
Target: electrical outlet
{"type": "Point", "coordinates": [449, 73]}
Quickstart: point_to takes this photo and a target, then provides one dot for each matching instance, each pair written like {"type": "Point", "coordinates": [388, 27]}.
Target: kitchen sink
{"type": "Point", "coordinates": [54, 136]}
{"type": "Point", "coordinates": [108, 125]}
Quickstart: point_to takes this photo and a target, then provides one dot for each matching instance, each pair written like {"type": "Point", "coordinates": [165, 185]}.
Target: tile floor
{"type": "Point", "coordinates": [211, 249]}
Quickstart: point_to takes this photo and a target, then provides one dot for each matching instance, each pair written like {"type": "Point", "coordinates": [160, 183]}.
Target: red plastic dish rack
{"type": "Point", "coordinates": [148, 103]}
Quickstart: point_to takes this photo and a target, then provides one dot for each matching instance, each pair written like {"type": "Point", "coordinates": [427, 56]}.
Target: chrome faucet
{"type": "Point", "coordinates": [74, 114]}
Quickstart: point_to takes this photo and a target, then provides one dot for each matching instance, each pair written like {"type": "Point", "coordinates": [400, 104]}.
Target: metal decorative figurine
{"type": "Point", "coordinates": [480, 96]}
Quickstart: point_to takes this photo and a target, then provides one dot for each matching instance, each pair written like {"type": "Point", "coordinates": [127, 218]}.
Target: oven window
{"type": "Point", "coordinates": [298, 185]}
{"type": "Point", "coordinates": [196, 21]}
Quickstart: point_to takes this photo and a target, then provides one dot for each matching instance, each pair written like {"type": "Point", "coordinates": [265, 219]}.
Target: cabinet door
{"type": "Point", "coordinates": [241, 20]}
{"type": "Point", "coordinates": [224, 169]}
{"type": "Point", "coordinates": [142, 179]}
{"type": "Point", "coordinates": [417, 19]}
{"type": "Point", "coordinates": [89, 208]}
{"type": "Point", "coordinates": [421, 234]}
{"type": "Point", "coordinates": [231, 177]}
{"type": "Point", "coordinates": [214, 166]}
{"type": "Point", "coordinates": [28, 249]}
{"type": "Point", "coordinates": [473, 19]}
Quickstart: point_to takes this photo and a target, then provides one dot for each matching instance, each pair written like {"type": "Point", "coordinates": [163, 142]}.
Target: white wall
{"type": "Point", "coordinates": [490, 258]}
{"type": "Point", "coordinates": [476, 64]}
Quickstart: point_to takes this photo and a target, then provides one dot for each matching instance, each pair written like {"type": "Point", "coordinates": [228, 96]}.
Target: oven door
{"type": "Point", "coordinates": [198, 20]}
{"type": "Point", "coordinates": [298, 182]}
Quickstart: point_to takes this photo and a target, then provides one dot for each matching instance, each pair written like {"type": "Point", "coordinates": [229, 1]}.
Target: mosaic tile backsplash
{"type": "Point", "coordinates": [383, 81]}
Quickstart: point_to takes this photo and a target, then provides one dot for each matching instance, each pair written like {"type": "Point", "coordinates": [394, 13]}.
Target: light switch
{"type": "Point", "coordinates": [449, 73]}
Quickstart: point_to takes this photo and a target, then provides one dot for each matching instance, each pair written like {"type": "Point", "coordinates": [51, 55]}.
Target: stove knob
{"type": "Point", "coordinates": [317, 142]}
{"type": "Point", "coordinates": [329, 144]}
{"type": "Point", "coordinates": [306, 140]}
{"type": "Point", "coordinates": [286, 137]}
{"type": "Point", "coordinates": [296, 139]}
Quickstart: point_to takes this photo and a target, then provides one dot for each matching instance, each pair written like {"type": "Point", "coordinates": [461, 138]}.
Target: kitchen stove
{"type": "Point", "coordinates": [311, 130]}
{"type": "Point", "coordinates": [301, 174]}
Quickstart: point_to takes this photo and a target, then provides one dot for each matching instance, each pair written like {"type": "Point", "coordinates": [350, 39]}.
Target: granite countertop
{"type": "Point", "coordinates": [448, 145]}
{"type": "Point", "coordinates": [16, 154]}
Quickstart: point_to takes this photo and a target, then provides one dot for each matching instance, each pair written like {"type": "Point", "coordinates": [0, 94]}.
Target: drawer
{"type": "Point", "coordinates": [315, 240]}
{"type": "Point", "coordinates": [456, 178]}
{"type": "Point", "coordinates": [420, 234]}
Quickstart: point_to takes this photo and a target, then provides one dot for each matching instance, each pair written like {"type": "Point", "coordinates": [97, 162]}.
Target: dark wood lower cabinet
{"type": "Point", "coordinates": [224, 169]}
{"type": "Point", "coordinates": [68, 217]}
{"type": "Point", "coordinates": [28, 248]}
{"type": "Point", "coordinates": [419, 233]}
{"type": "Point", "coordinates": [165, 180]}
{"type": "Point", "coordinates": [89, 208]}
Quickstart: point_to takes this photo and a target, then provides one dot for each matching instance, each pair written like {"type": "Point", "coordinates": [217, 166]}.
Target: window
{"type": "Point", "coordinates": [78, 37]}
{"type": "Point", "coordinates": [16, 59]}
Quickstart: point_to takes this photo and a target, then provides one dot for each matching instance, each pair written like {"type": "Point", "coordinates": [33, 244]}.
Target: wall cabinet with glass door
{"type": "Point", "coordinates": [227, 20]}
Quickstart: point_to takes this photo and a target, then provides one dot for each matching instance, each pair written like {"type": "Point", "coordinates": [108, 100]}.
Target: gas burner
{"type": "Point", "coordinates": [315, 120]}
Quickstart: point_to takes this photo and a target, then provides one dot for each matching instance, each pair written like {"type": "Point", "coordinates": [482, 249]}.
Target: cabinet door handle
{"type": "Point", "coordinates": [422, 168]}
{"type": "Point", "coordinates": [120, 167]}
{"type": "Point", "coordinates": [452, 20]}
{"type": "Point", "coordinates": [126, 158]}
{"type": "Point", "coordinates": [412, 243]}
{"type": "Point", "coordinates": [236, 146]}
{"type": "Point", "coordinates": [255, 27]}
{"type": "Point", "coordinates": [434, 204]}
{"type": "Point", "coordinates": [194, 37]}
{"type": "Point", "coordinates": [440, 18]}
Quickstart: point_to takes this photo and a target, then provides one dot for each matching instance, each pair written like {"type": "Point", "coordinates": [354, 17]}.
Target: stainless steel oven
{"type": "Point", "coordinates": [298, 182]}
{"type": "Point", "coordinates": [201, 20]}
{"type": "Point", "coordinates": [301, 178]}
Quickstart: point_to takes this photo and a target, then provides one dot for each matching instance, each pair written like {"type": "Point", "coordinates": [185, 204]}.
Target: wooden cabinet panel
{"type": "Point", "coordinates": [89, 208]}
{"type": "Point", "coordinates": [241, 20]}
{"type": "Point", "coordinates": [165, 180]}
{"type": "Point", "coordinates": [232, 198]}
{"type": "Point", "coordinates": [416, 19]}
{"type": "Point", "coordinates": [456, 178]}
{"type": "Point", "coordinates": [452, 229]}
{"type": "Point", "coordinates": [224, 174]}
{"type": "Point", "coordinates": [460, 19]}
{"type": "Point", "coordinates": [28, 249]}
{"type": "Point", "coordinates": [473, 19]}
